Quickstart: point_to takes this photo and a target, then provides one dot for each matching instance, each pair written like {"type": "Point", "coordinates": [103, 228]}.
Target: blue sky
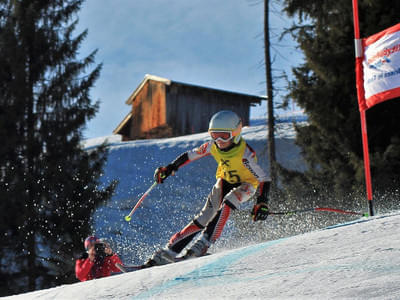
{"type": "Point", "coordinates": [214, 43]}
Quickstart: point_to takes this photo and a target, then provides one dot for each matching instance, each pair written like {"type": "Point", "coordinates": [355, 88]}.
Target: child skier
{"type": "Point", "coordinates": [238, 177]}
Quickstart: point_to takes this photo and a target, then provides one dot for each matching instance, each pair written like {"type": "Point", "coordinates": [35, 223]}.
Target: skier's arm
{"type": "Point", "coordinates": [263, 190]}
{"type": "Point", "coordinates": [191, 155]}
{"type": "Point", "coordinates": [260, 209]}
{"type": "Point", "coordinates": [116, 264]}
{"type": "Point", "coordinates": [162, 173]}
{"type": "Point", "coordinates": [82, 268]}
{"type": "Point", "coordinates": [250, 162]}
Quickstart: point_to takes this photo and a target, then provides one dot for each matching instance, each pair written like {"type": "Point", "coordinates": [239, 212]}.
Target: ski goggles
{"type": "Point", "coordinates": [224, 136]}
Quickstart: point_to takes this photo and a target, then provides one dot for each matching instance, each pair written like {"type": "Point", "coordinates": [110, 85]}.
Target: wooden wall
{"type": "Point", "coordinates": [149, 111]}
{"type": "Point", "coordinates": [190, 108]}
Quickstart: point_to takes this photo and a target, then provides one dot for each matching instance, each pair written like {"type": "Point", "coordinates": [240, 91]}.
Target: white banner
{"type": "Point", "coordinates": [381, 66]}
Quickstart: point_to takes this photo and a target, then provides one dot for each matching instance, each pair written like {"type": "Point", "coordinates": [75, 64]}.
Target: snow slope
{"type": "Point", "coordinates": [358, 260]}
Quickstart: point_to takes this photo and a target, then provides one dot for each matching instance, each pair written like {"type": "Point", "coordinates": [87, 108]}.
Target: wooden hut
{"type": "Point", "coordinates": [166, 108]}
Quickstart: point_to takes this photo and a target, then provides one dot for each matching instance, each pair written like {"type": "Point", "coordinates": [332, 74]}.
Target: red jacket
{"type": "Point", "coordinates": [85, 269]}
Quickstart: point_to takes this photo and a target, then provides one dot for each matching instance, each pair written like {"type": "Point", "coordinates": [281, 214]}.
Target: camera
{"type": "Point", "coordinates": [100, 251]}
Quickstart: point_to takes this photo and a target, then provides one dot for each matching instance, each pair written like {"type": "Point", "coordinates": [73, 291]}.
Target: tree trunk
{"type": "Point", "coordinates": [30, 154]}
{"type": "Point", "coordinates": [270, 103]}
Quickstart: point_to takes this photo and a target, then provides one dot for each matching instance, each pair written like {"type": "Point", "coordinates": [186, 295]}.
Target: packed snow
{"type": "Point", "coordinates": [299, 256]}
{"type": "Point", "coordinates": [358, 260]}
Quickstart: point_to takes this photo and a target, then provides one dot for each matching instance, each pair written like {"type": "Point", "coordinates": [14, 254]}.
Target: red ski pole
{"type": "Point", "coordinates": [129, 217]}
{"type": "Point", "coordinates": [335, 210]}
{"type": "Point", "coordinates": [341, 211]}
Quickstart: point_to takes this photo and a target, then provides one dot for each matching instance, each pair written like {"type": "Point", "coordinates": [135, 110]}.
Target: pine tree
{"type": "Point", "coordinates": [49, 185]}
{"type": "Point", "coordinates": [324, 86]}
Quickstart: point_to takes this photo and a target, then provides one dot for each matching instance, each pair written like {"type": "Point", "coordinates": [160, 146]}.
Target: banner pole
{"type": "Point", "coordinates": [366, 162]}
{"type": "Point", "coordinates": [362, 106]}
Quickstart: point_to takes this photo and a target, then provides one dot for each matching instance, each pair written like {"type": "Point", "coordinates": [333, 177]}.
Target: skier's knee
{"type": "Point", "coordinates": [233, 199]}
{"type": "Point", "coordinates": [190, 229]}
{"type": "Point", "coordinates": [231, 205]}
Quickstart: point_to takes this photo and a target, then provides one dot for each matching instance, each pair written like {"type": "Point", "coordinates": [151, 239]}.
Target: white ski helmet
{"type": "Point", "coordinates": [226, 121]}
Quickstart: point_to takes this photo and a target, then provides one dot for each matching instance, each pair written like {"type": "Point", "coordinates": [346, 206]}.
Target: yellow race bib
{"type": "Point", "coordinates": [230, 165]}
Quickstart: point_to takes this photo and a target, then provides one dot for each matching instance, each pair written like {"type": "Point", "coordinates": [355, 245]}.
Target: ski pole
{"type": "Point", "coordinates": [129, 217]}
{"type": "Point", "coordinates": [340, 211]}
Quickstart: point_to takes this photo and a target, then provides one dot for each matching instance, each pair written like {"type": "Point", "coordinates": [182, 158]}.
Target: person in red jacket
{"type": "Point", "coordinates": [98, 260]}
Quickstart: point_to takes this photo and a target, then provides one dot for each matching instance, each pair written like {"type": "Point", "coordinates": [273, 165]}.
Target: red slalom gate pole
{"type": "Point", "coordinates": [362, 106]}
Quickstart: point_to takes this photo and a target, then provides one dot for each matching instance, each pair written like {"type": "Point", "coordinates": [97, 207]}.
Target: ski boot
{"type": "Point", "coordinates": [161, 257]}
{"type": "Point", "coordinates": [199, 248]}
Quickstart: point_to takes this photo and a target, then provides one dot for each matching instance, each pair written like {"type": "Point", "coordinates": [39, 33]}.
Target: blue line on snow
{"type": "Point", "coordinates": [363, 220]}
{"type": "Point", "coordinates": [204, 274]}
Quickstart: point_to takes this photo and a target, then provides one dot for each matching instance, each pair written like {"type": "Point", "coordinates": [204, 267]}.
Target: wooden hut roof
{"type": "Point", "coordinates": [123, 125]}
{"type": "Point", "coordinates": [147, 77]}
{"type": "Point", "coordinates": [250, 98]}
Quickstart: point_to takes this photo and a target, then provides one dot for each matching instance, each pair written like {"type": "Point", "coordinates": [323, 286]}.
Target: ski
{"type": "Point", "coordinates": [133, 268]}
{"type": "Point", "coordinates": [183, 258]}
